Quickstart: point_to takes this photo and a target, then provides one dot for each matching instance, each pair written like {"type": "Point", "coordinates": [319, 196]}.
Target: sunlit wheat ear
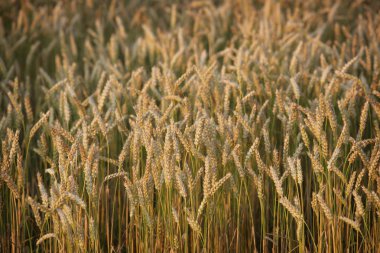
{"type": "Point", "coordinates": [131, 196]}
{"type": "Point", "coordinates": [197, 178]}
{"type": "Point", "coordinates": [10, 183]}
{"type": "Point", "coordinates": [316, 165]}
{"type": "Point", "coordinates": [250, 152]}
{"type": "Point", "coordinates": [292, 168]}
{"type": "Point", "coordinates": [207, 177]}
{"type": "Point", "coordinates": [331, 116]}
{"type": "Point", "coordinates": [238, 165]}
{"type": "Point", "coordinates": [76, 199]}
{"type": "Point", "coordinates": [98, 118]}
{"type": "Point", "coordinates": [43, 192]}
{"type": "Point", "coordinates": [198, 131]}
{"type": "Point", "coordinates": [335, 155]}
{"type": "Point", "coordinates": [176, 148]}
{"type": "Point", "coordinates": [219, 183]}
{"type": "Point", "coordinates": [339, 195]}
{"type": "Point", "coordinates": [36, 212]}
{"type": "Point", "coordinates": [28, 108]}
{"type": "Point", "coordinates": [183, 141]}
{"type": "Point", "coordinates": [326, 210]}
{"type": "Point", "coordinates": [57, 129]}
{"type": "Point", "coordinates": [373, 196]}
{"type": "Point", "coordinates": [175, 215]}
{"type": "Point", "coordinates": [225, 153]}
{"type": "Point", "coordinates": [243, 122]}
{"type": "Point", "coordinates": [103, 96]}
{"type": "Point", "coordinates": [374, 161]}
{"type": "Point", "coordinates": [359, 179]}
{"type": "Point", "coordinates": [39, 123]}
{"type": "Point", "coordinates": [46, 237]}
{"type": "Point", "coordinates": [180, 184]}
{"type": "Point", "coordinates": [276, 180]}
{"type": "Point", "coordinates": [210, 193]}
{"type": "Point", "coordinates": [16, 106]}
{"type": "Point", "coordinates": [115, 175]}
{"type": "Point", "coordinates": [293, 210]}
{"type": "Point", "coordinates": [354, 224]}
{"type": "Point", "coordinates": [20, 171]}
{"type": "Point", "coordinates": [363, 120]}
{"type": "Point", "coordinates": [5, 175]}
{"type": "Point", "coordinates": [194, 225]}
{"type": "Point", "coordinates": [167, 159]}
{"type": "Point", "coordinates": [66, 109]}
{"type": "Point", "coordinates": [124, 151]}
{"type": "Point", "coordinates": [299, 172]}
{"type": "Point", "coordinates": [87, 170]}
{"type": "Point", "coordinates": [67, 229]}
{"type": "Point", "coordinates": [359, 212]}
{"type": "Point", "coordinates": [295, 88]}
{"type": "Point", "coordinates": [14, 146]}
{"type": "Point", "coordinates": [266, 138]}
{"type": "Point", "coordinates": [286, 144]}
{"type": "Point", "coordinates": [339, 173]}
{"type": "Point", "coordinates": [351, 184]}
{"type": "Point", "coordinates": [92, 230]}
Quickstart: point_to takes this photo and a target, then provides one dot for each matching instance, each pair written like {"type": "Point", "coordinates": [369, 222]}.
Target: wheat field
{"type": "Point", "coordinates": [190, 126]}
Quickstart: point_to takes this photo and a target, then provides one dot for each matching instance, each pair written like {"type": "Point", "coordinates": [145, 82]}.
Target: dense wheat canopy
{"type": "Point", "coordinates": [190, 126]}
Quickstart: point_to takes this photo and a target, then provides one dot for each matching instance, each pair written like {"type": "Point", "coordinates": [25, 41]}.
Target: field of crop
{"type": "Point", "coordinates": [190, 126]}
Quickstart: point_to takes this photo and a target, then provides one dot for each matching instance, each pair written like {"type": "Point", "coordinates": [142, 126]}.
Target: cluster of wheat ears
{"type": "Point", "coordinates": [190, 126]}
